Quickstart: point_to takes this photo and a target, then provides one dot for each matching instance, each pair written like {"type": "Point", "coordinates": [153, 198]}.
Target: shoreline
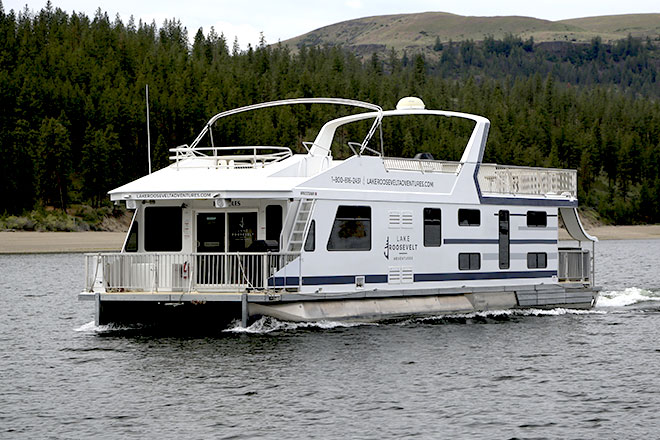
{"type": "Point", "coordinates": [31, 242]}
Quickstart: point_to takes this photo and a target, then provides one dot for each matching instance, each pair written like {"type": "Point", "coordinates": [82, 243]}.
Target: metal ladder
{"type": "Point", "coordinates": [300, 224]}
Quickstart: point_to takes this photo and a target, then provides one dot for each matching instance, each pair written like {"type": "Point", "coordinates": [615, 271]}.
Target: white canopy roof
{"type": "Point", "coordinates": [196, 181]}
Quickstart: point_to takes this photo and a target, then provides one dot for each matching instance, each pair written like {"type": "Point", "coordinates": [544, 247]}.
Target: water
{"type": "Point", "coordinates": [525, 374]}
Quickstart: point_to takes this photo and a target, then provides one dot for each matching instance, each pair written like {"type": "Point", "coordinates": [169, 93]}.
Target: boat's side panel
{"type": "Point", "coordinates": [398, 257]}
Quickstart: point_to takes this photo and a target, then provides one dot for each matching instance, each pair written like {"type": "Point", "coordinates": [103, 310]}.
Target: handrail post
{"type": "Point", "coordinates": [156, 273]}
{"type": "Point", "coordinates": [265, 265]}
{"type": "Point", "coordinates": [299, 272]}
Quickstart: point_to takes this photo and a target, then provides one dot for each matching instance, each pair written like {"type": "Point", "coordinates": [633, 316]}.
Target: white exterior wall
{"type": "Point", "coordinates": [418, 259]}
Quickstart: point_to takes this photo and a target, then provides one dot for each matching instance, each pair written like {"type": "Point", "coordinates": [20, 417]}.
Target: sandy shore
{"type": "Point", "coordinates": [635, 232]}
{"type": "Point", "coordinates": [51, 242]}
{"type": "Point", "coordinates": [27, 242]}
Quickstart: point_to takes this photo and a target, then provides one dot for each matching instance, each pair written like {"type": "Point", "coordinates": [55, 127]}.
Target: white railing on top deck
{"type": "Point", "coordinates": [230, 157]}
{"type": "Point", "coordinates": [506, 179]}
{"type": "Point", "coordinates": [421, 165]}
{"type": "Point", "coordinates": [174, 272]}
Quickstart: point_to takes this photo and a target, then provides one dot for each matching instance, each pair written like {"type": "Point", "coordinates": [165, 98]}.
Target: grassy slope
{"type": "Point", "coordinates": [420, 30]}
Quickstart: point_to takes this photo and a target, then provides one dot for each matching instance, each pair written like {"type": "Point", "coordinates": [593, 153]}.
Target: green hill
{"type": "Point", "coordinates": [415, 32]}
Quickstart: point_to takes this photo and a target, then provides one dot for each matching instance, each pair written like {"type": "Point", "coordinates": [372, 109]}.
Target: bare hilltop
{"type": "Point", "coordinates": [423, 31]}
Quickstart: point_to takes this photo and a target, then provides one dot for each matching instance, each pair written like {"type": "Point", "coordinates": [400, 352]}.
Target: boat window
{"type": "Point", "coordinates": [132, 242]}
{"type": "Point", "coordinates": [503, 239]}
{"type": "Point", "coordinates": [162, 229]}
{"type": "Point", "coordinates": [241, 230]}
{"type": "Point", "coordinates": [537, 219]}
{"type": "Point", "coordinates": [537, 260]}
{"type": "Point", "coordinates": [469, 217]}
{"type": "Point", "coordinates": [310, 242]}
{"type": "Point", "coordinates": [432, 227]}
{"type": "Point", "coordinates": [470, 261]}
{"type": "Point", "coordinates": [351, 230]}
{"type": "Point", "coordinates": [211, 232]}
{"type": "Point", "coordinates": [273, 222]}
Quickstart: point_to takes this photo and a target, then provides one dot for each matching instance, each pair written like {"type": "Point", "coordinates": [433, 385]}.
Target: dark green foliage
{"type": "Point", "coordinates": [72, 119]}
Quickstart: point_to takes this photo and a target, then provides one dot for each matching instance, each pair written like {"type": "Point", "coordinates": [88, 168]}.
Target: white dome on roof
{"type": "Point", "coordinates": [410, 103]}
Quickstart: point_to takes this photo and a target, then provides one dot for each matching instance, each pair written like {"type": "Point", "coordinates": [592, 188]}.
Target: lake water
{"type": "Point", "coordinates": [531, 374]}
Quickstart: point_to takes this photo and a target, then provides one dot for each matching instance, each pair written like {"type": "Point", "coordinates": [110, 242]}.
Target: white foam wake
{"type": "Point", "coordinates": [513, 312]}
{"type": "Point", "coordinates": [90, 327]}
{"type": "Point", "coordinates": [626, 297]}
{"type": "Point", "coordinates": [86, 327]}
{"type": "Point", "coordinates": [267, 325]}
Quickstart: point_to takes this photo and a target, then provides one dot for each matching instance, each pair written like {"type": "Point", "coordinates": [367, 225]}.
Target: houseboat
{"type": "Point", "coordinates": [237, 232]}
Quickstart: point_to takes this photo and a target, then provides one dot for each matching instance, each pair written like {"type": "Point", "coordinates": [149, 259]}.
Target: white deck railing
{"type": "Point", "coordinates": [504, 179]}
{"type": "Point", "coordinates": [574, 266]}
{"type": "Point", "coordinates": [230, 157]}
{"type": "Point", "coordinates": [154, 272]}
{"type": "Point", "coordinates": [421, 165]}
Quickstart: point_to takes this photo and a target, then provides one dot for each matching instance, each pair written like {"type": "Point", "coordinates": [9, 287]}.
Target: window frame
{"type": "Point", "coordinates": [469, 224]}
{"type": "Point", "coordinates": [311, 232]}
{"type": "Point", "coordinates": [543, 224]}
{"type": "Point", "coordinates": [504, 239]}
{"type": "Point", "coordinates": [533, 257]}
{"type": "Point", "coordinates": [472, 256]}
{"type": "Point", "coordinates": [270, 218]}
{"type": "Point", "coordinates": [439, 225]}
{"type": "Point", "coordinates": [339, 222]}
{"type": "Point", "coordinates": [149, 229]}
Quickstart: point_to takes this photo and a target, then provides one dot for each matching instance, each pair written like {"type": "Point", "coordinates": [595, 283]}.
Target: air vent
{"type": "Point", "coordinates": [394, 219]}
{"type": "Point", "coordinates": [406, 219]}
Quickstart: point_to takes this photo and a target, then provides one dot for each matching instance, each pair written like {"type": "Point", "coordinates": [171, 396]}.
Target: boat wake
{"type": "Point", "coordinates": [268, 325]}
{"type": "Point", "coordinates": [627, 297]}
{"type": "Point", "coordinates": [90, 327]}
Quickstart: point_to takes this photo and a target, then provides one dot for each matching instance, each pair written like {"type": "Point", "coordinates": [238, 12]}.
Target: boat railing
{"type": "Point", "coordinates": [575, 266]}
{"type": "Point", "coordinates": [177, 272]}
{"type": "Point", "coordinates": [421, 165]}
{"type": "Point", "coordinates": [508, 179]}
{"type": "Point", "coordinates": [253, 156]}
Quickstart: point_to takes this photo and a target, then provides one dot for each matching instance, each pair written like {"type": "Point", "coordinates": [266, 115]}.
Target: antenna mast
{"type": "Point", "coordinates": [148, 132]}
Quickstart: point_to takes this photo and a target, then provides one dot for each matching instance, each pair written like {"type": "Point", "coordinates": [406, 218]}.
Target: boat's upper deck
{"type": "Point", "coordinates": [271, 171]}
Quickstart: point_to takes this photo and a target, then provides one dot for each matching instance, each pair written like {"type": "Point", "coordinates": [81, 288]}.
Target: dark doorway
{"type": "Point", "coordinates": [211, 232]}
{"type": "Point", "coordinates": [273, 222]}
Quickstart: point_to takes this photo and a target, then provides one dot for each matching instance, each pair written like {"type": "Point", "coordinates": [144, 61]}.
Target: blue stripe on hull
{"type": "Point", "coordinates": [420, 277]}
{"type": "Point", "coordinates": [469, 276]}
{"type": "Point", "coordinates": [496, 241]}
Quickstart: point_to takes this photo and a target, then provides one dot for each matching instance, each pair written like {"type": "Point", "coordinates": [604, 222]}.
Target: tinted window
{"type": "Point", "coordinates": [503, 239]}
{"type": "Point", "coordinates": [538, 219]}
{"type": "Point", "coordinates": [273, 222]}
{"type": "Point", "coordinates": [211, 232]}
{"type": "Point", "coordinates": [241, 230]}
{"type": "Point", "coordinates": [162, 229]}
{"type": "Point", "coordinates": [310, 242]}
{"type": "Point", "coordinates": [537, 260]}
{"type": "Point", "coordinates": [351, 230]}
{"type": "Point", "coordinates": [132, 242]}
{"type": "Point", "coordinates": [432, 227]}
{"type": "Point", "coordinates": [469, 217]}
{"type": "Point", "coordinates": [469, 261]}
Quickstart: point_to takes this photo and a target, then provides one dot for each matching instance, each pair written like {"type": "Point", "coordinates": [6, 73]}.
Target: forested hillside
{"type": "Point", "coordinates": [72, 118]}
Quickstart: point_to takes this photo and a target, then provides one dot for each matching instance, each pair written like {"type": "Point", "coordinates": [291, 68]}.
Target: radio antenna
{"type": "Point", "coordinates": [148, 132]}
